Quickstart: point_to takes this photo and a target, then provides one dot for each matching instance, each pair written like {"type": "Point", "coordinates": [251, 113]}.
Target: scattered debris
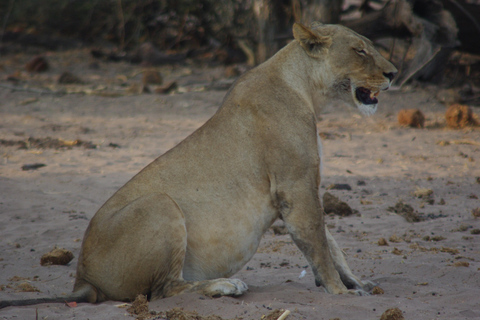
{"type": "Point", "coordinates": [33, 166]}
{"type": "Point", "coordinates": [46, 143]}
{"type": "Point", "coordinates": [28, 101]}
{"type": "Point", "coordinates": [460, 116]}
{"type": "Point", "coordinates": [476, 213]}
{"type": "Point", "coordinates": [468, 142]}
{"type": "Point", "coordinates": [139, 308]}
{"type": "Point", "coordinates": [280, 230]}
{"type": "Point", "coordinates": [411, 117]}
{"type": "Point", "coordinates": [57, 256]}
{"type": "Point", "coordinates": [332, 204]}
{"type": "Point", "coordinates": [302, 274]}
{"type": "Point", "coordinates": [180, 314]}
{"type": "Point", "coordinates": [114, 145]}
{"type": "Point", "coordinates": [449, 250]}
{"type": "Point", "coordinates": [422, 284]}
{"type": "Point", "coordinates": [339, 186]}
{"type": "Point", "coordinates": [382, 242]}
{"type": "Point", "coordinates": [137, 88]}
{"type": "Point", "coordinates": [69, 78]}
{"type": "Point", "coordinates": [232, 71]}
{"type": "Point", "coordinates": [475, 231]}
{"type": "Point", "coordinates": [392, 314]}
{"type": "Point", "coordinates": [377, 290]}
{"type": "Point", "coordinates": [423, 193]}
{"type": "Point", "coordinates": [406, 211]}
{"type": "Point", "coordinates": [278, 314]}
{"type": "Point", "coordinates": [26, 287]}
{"type": "Point", "coordinates": [167, 88]}
{"type": "Point", "coordinates": [395, 238]}
{"type": "Point", "coordinates": [17, 278]}
{"type": "Point", "coordinates": [462, 227]}
{"type": "Point", "coordinates": [151, 77]}
{"type": "Point", "coordinates": [434, 238]}
{"type": "Point", "coordinates": [397, 252]}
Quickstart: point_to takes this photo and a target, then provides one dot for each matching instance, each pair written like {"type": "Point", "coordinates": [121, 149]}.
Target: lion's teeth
{"type": "Point", "coordinates": [374, 94]}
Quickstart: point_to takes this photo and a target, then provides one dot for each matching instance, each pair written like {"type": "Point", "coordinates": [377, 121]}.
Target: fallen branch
{"type": "Point", "coordinates": [284, 315]}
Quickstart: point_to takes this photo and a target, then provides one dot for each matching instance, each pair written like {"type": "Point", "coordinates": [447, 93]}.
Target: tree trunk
{"type": "Point", "coordinates": [264, 11]}
{"type": "Point", "coordinates": [467, 17]}
{"type": "Point", "coordinates": [325, 11]}
{"type": "Point", "coordinates": [394, 20]}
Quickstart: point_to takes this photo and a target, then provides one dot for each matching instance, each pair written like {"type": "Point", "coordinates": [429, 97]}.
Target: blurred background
{"type": "Point", "coordinates": [432, 41]}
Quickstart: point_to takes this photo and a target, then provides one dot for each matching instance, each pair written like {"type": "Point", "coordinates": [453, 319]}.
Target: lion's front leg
{"type": "Point", "coordinates": [347, 276]}
{"type": "Point", "coordinates": [305, 223]}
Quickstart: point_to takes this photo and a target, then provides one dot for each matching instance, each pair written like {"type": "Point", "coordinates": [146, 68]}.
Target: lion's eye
{"type": "Point", "coordinates": [360, 52]}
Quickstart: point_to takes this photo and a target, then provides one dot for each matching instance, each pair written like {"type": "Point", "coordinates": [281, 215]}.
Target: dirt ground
{"type": "Point", "coordinates": [429, 269]}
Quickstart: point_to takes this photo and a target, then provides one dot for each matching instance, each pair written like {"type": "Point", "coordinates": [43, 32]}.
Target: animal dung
{"type": "Point", "coordinates": [423, 193]}
{"type": "Point", "coordinates": [69, 78]}
{"type": "Point", "coordinates": [392, 314]}
{"type": "Point", "coordinates": [26, 287]}
{"type": "Point", "coordinates": [151, 77]}
{"type": "Point", "coordinates": [58, 256]}
{"type": "Point", "coordinates": [139, 307]}
{"type": "Point", "coordinates": [37, 64]}
{"type": "Point", "coordinates": [332, 204]}
{"type": "Point", "coordinates": [411, 117]}
{"type": "Point", "coordinates": [382, 242]}
{"type": "Point", "coordinates": [460, 116]}
{"type": "Point", "coordinates": [377, 290]}
{"type": "Point", "coordinates": [406, 211]}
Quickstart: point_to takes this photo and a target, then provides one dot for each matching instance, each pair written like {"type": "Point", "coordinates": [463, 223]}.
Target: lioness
{"type": "Point", "coordinates": [195, 216]}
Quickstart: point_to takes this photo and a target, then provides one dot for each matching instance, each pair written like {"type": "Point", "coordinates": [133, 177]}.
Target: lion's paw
{"type": "Point", "coordinates": [368, 285]}
{"type": "Point", "coordinates": [358, 292]}
{"type": "Point", "coordinates": [226, 287]}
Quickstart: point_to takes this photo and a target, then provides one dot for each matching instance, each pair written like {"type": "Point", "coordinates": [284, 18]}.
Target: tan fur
{"type": "Point", "coordinates": [195, 216]}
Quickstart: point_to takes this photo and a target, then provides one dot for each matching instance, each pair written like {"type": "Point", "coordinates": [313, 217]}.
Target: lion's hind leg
{"type": "Point", "coordinates": [347, 276]}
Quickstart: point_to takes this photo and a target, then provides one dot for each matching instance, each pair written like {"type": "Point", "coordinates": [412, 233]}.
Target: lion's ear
{"type": "Point", "coordinates": [315, 45]}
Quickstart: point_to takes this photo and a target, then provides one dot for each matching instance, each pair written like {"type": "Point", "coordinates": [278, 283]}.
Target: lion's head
{"type": "Point", "coordinates": [350, 67]}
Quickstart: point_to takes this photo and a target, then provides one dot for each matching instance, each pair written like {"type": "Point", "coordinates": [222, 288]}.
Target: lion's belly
{"type": "Point", "coordinates": [221, 246]}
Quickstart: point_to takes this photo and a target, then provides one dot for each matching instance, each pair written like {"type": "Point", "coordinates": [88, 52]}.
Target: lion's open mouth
{"type": "Point", "coordinates": [366, 96]}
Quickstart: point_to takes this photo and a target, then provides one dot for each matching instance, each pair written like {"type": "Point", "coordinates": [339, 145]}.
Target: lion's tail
{"type": "Point", "coordinates": [87, 293]}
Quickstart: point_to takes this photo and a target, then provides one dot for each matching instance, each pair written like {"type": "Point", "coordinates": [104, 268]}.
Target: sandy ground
{"type": "Point", "coordinates": [429, 270]}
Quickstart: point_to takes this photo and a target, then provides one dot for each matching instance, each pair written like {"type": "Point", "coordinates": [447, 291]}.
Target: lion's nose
{"type": "Point", "coordinates": [390, 75]}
